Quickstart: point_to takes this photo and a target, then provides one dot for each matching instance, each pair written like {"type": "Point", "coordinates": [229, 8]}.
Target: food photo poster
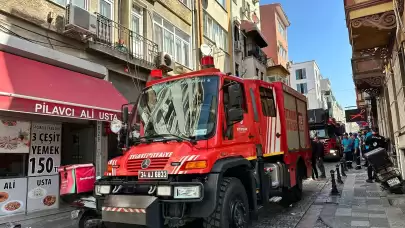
{"type": "Point", "coordinates": [14, 136]}
{"type": "Point", "coordinates": [43, 193]}
{"type": "Point", "coordinates": [13, 196]}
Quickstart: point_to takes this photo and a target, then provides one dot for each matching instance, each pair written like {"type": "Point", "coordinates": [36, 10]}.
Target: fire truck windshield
{"type": "Point", "coordinates": [182, 108]}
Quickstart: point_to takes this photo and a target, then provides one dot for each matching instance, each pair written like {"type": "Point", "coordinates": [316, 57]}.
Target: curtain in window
{"type": "Point", "coordinates": [168, 42]}
{"type": "Point", "coordinates": [105, 9]}
{"type": "Point", "coordinates": [186, 48]}
{"type": "Point", "coordinates": [158, 36]}
{"type": "Point", "coordinates": [179, 51]}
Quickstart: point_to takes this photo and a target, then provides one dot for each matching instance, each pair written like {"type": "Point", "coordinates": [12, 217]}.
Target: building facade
{"type": "Point", "coordinates": [306, 78]}
{"type": "Point", "coordinates": [249, 61]}
{"type": "Point", "coordinates": [378, 67]}
{"type": "Point", "coordinates": [274, 27]}
{"type": "Point", "coordinates": [334, 109]}
{"type": "Point", "coordinates": [66, 69]}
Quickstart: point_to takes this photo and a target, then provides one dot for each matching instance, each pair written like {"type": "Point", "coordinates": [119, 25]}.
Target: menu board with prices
{"type": "Point", "coordinates": [45, 151]}
{"type": "Point", "coordinates": [43, 193]}
{"type": "Point", "coordinates": [13, 195]}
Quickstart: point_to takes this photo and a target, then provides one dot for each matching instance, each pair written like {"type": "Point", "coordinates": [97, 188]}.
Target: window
{"type": "Point", "coordinates": [300, 74]}
{"type": "Point", "coordinates": [237, 69]}
{"type": "Point", "coordinates": [172, 40]}
{"type": "Point", "coordinates": [79, 3]}
{"type": "Point", "coordinates": [106, 8]}
{"type": "Point", "coordinates": [12, 165]}
{"type": "Point", "coordinates": [267, 101]}
{"type": "Point", "coordinates": [214, 32]}
{"type": "Point", "coordinates": [302, 88]}
{"type": "Point", "coordinates": [222, 3]}
{"type": "Point", "coordinates": [281, 29]}
{"type": "Point", "coordinates": [261, 76]}
{"type": "Point", "coordinates": [282, 52]}
{"type": "Point", "coordinates": [186, 3]}
{"type": "Point", "coordinates": [257, 72]}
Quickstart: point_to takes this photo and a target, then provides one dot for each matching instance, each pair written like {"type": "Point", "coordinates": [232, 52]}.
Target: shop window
{"type": "Point", "coordinates": [12, 165]}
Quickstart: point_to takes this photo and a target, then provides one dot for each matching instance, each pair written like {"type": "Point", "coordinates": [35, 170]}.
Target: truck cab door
{"type": "Point", "coordinates": [238, 136]}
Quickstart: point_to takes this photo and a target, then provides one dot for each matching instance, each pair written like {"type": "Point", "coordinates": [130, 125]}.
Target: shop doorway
{"type": "Point", "coordinates": [78, 145]}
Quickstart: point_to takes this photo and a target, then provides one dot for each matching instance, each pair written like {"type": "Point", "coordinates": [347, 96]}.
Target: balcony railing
{"type": "Point", "coordinates": [124, 40]}
{"type": "Point", "coordinates": [255, 51]}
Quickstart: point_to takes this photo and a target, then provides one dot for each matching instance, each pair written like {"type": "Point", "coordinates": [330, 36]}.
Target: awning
{"type": "Point", "coordinates": [29, 86]}
{"type": "Point", "coordinates": [252, 30]}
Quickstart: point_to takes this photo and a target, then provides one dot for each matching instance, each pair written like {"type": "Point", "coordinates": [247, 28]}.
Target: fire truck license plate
{"type": "Point", "coordinates": [156, 174]}
{"type": "Point", "coordinates": [393, 181]}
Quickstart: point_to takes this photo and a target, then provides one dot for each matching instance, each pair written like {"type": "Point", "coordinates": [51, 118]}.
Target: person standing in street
{"type": "Point", "coordinates": [321, 156]}
{"type": "Point", "coordinates": [373, 142]}
{"type": "Point", "coordinates": [367, 134]}
{"type": "Point", "coordinates": [347, 150]}
{"type": "Point", "coordinates": [357, 153]}
{"type": "Point", "coordinates": [315, 148]}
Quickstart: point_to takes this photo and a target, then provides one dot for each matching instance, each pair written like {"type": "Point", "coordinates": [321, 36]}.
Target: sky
{"type": "Point", "coordinates": [318, 32]}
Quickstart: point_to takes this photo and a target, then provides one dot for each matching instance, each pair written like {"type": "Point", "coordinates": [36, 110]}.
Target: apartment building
{"type": "Point", "coordinates": [66, 68]}
{"type": "Point", "coordinates": [249, 61]}
{"type": "Point", "coordinates": [306, 78]}
{"type": "Point", "coordinates": [213, 21]}
{"type": "Point", "coordinates": [274, 26]}
{"type": "Point", "coordinates": [333, 106]}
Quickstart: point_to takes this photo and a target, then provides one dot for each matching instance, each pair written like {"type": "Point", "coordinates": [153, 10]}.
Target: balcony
{"type": "Point", "coordinates": [371, 26]}
{"type": "Point", "coordinates": [253, 50]}
{"type": "Point", "coordinates": [120, 42]}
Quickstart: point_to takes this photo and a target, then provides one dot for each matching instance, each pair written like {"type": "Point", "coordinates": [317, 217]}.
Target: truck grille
{"type": "Point", "coordinates": [155, 164]}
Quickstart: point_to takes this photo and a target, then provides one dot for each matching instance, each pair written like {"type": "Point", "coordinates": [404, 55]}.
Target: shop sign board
{"type": "Point", "coordinates": [43, 193]}
{"type": "Point", "coordinates": [99, 156]}
{"type": "Point", "coordinates": [13, 195]}
{"type": "Point", "coordinates": [14, 136]}
{"type": "Point", "coordinates": [61, 110]}
{"type": "Point", "coordinates": [45, 152]}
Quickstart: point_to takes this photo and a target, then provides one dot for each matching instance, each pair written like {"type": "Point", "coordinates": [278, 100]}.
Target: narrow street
{"type": "Point", "coordinates": [280, 217]}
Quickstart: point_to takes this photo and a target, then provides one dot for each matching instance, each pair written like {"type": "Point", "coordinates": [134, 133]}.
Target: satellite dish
{"type": "Point", "coordinates": [116, 126]}
{"type": "Point", "coordinates": [205, 49]}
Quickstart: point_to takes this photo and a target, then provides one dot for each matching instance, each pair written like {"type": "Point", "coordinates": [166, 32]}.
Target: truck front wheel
{"type": "Point", "coordinates": [232, 210]}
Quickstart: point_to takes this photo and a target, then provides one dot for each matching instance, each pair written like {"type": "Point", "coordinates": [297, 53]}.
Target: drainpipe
{"type": "Point", "coordinates": [232, 40]}
{"type": "Point", "coordinates": [193, 44]}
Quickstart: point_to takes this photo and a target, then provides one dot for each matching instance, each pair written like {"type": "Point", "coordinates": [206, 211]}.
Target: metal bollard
{"type": "Point", "coordinates": [339, 178]}
{"type": "Point", "coordinates": [342, 167]}
{"type": "Point", "coordinates": [334, 190]}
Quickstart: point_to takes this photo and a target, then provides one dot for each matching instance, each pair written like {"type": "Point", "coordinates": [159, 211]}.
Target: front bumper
{"type": "Point", "coordinates": [134, 206]}
{"type": "Point", "coordinates": [135, 210]}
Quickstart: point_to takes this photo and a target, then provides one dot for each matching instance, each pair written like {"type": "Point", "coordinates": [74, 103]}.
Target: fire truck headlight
{"type": "Point", "coordinates": [187, 192]}
{"type": "Point", "coordinates": [102, 189]}
{"type": "Point", "coordinates": [333, 152]}
{"type": "Point", "coordinates": [164, 191]}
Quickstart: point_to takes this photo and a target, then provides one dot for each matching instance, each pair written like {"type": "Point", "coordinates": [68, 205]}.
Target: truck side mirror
{"type": "Point", "coordinates": [235, 96]}
{"type": "Point", "coordinates": [125, 115]}
{"type": "Point", "coordinates": [235, 114]}
{"type": "Point", "coordinates": [235, 111]}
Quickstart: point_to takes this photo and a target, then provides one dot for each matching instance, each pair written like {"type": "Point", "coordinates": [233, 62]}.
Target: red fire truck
{"type": "Point", "coordinates": [327, 130]}
{"type": "Point", "coordinates": [208, 147]}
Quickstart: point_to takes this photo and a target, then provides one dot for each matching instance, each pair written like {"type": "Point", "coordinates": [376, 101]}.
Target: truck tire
{"type": "Point", "coordinates": [232, 210]}
{"type": "Point", "coordinates": [294, 194]}
{"type": "Point", "coordinates": [297, 189]}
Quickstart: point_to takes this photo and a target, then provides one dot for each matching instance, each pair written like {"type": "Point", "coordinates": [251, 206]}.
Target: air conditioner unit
{"type": "Point", "coordinates": [238, 46]}
{"type": "Point", "coordinates": [80, 20]}
{"type": "Point", "coordinates": [165, 61]}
